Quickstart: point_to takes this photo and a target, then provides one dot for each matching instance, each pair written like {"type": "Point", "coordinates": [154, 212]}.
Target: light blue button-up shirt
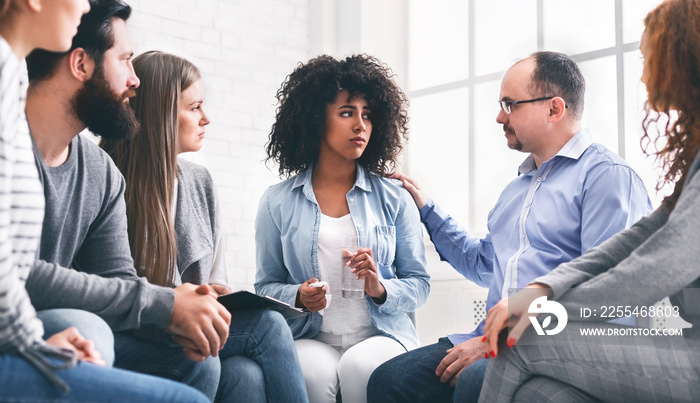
{"type": "Point", "coordinates": [548, 215]}
{"type": "Point", "coordinates": [286, 238]}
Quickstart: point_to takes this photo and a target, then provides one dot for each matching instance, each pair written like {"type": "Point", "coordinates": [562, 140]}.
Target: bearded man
{"type": "Point", "coordinates": [85, 228]}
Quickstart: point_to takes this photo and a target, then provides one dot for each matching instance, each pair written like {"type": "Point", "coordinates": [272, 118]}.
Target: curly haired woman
{"type": "Point", "coordinates": [338, 130]}
{"type": "Point", "coordinates": [655, 258]}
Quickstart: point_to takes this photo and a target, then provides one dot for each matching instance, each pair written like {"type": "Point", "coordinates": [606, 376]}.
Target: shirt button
{"type": "Point", "coordinates": [522, 236]}
{"type": "Point", "coordinates": [352, 200]}
{"type": "Point", "coordinates": [539, 179]}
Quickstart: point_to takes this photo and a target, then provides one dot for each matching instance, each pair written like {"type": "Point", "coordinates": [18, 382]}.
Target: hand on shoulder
{"type": "Point", "coordinates": [410, 184]}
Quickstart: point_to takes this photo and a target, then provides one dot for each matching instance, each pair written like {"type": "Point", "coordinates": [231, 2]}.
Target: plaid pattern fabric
{"type": "Point", "coordinates": [624, 369]}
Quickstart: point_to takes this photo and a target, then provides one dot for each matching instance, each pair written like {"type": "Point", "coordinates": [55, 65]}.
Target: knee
{"type": "Point", "coordinates": [209, 368]}
{"type": "Point", "coordinates": [353, 366]}
{"type": "Point", "coordinates": [274, 321]}
{"type": "Point", "coordinates": [204, 376]}
{"type": "Point", "coordinates": [242, 370]}
{"type": "Point", "coordinates": [380, 380]}
{"type": "Point", "coordinates": [389, 376]}
{"type": "Point", "coordinates": [90, 326]}
{"type": "Point", "coordinates": [242, 379]}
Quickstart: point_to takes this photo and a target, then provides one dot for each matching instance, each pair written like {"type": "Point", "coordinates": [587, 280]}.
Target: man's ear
{"type": "Point", "coordinates": [81, 65]}
{"type": "Point", "coordinates": [557, 108]}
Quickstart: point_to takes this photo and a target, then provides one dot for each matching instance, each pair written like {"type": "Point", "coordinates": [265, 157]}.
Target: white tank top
{"type": "Point", "coordinates": [344, 315]}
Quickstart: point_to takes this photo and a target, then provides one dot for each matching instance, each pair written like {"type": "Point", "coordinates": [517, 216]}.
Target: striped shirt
{"type": "Point", "coordinates": [21, 209]}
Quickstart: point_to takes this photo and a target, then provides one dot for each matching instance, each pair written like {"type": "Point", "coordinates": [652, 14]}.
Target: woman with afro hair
{"type": "Point", "coordinates": [338, 131]}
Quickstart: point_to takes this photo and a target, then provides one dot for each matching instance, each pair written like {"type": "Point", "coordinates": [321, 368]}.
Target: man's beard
{"type": "Point", "coordinates": [517, 146]}
{"type": "Point", "coordinates": [104, 112]}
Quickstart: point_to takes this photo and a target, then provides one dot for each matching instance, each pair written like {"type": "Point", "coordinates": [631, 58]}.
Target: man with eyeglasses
{"type": "Point", "coordinates": [570, 195]}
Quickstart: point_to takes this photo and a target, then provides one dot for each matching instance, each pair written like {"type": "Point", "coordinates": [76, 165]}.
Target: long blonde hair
{"type": "Point", "coordinates": [149, 162]}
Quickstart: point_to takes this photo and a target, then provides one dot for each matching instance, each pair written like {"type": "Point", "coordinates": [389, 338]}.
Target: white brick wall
{"type": "Point", "coordinates": [244, 50]}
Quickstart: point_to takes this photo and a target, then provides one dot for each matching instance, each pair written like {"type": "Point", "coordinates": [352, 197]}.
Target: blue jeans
{"type": "Point", "coordinates": [21, 381]}
{"type": "Point", "coordinates": [411, 377]}
{"type": "Point", "coordinates": [91, 326]}
{"type": "Point", "coordinates": [258, 362]}
{"type": "Point", "coordinates": [264, 337]}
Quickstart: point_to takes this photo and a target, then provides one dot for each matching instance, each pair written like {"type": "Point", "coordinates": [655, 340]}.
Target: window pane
{"type": "Point", "coordinates": [438, 149]}
{"type": "Point", "coordinates": [600, 109]}
{"type": "Point", "coordinates": [495, 164]}
{"type": "Point", "coordinates": [574, 26]}
{"type": "Point", "coordinates": [506, 25]}
{"type": "Point", "coordinates": [437, 38]}
{"type": "Point", "coordinates": [633, 14]}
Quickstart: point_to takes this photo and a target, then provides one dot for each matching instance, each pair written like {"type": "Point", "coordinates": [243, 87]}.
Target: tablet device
{"type": "Point", "coordinates": [242, 300]}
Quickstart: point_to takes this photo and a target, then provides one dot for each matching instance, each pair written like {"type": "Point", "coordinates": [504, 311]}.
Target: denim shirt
{"type": "Point", "coordinates": [286, 238]}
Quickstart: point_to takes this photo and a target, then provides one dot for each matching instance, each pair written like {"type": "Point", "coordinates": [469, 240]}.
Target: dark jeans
{"type": "Point", "coordinates": [411, 377]}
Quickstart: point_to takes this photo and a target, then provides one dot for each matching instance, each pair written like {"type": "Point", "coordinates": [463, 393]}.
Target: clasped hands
{"type": "Point", "coordinates": [199, 322]}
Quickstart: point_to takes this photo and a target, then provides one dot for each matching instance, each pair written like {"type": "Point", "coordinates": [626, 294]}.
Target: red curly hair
{"type": "Point", "coordinates": [672, 78]}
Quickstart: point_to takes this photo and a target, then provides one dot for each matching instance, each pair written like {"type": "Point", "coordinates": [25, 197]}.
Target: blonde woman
{"type": "Point", "coordinates": [174, 227]}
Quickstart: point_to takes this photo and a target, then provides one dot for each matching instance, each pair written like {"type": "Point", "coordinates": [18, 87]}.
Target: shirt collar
{"type": "Point", "coordinates": [573, 149]}
{"type": "Point", "coordinates": [304, 179]}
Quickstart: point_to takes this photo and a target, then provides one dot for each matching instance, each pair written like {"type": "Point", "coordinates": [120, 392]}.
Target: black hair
{"type": "Point", "coordinates": [556, 74]}
{"type": "Point", "coordinates": [295, 139]}
{"type": "Point", "coordinates": [94, 35]}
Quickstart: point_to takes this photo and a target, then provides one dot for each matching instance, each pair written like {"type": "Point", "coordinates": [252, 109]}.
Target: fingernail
{"type": "Point", "coordinates": [493, 354]}
{"type": "Point", "coordinates": [510, 342]}
{"type": "Point", "coordinates": [486, 355]}
{"type": "Point", "coordinates": [483, 339]}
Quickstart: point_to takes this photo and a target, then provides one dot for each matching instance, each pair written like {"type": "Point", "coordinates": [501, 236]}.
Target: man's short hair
{"type": "Point", "coordinates": [556, 74]}
{"type": "Point", "coordinates": [94, 35]}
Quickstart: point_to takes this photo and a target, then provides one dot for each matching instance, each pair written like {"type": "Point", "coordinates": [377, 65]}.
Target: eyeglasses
{"type": "Point", "coordinates": [507, 105]}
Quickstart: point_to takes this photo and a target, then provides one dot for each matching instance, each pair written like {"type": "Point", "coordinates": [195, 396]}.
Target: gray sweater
{"type": "Point", "coordinates": [657, 257]}
{"type": "Point", "coordinates": [85, 228]}
{"type": "Point", "coordinates": [195, 223]}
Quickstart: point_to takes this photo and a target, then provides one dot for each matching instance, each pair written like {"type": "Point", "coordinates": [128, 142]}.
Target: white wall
{"type": "Point", "coordinates": [244, 50]}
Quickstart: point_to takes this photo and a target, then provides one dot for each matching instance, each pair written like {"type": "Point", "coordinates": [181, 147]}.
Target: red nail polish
{"type": "Point", "coordinates": [493, 354]}
{"type": "Point", "coordinates": [511, 342]}
{"type": "Point", "coordinates": [486, 355]}
{"type": "Point", "coordinates": [483, 339]}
